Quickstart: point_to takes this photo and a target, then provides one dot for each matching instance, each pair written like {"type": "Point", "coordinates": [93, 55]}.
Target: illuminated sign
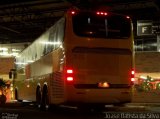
{"type": "Point", "coordinates": [144, 28]}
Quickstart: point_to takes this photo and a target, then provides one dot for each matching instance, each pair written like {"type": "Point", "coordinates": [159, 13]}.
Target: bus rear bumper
{"type": "Point", "coordinates": [105, 96]}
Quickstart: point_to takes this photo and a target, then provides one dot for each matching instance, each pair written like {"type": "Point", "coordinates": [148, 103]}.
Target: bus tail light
{"type": "Point", "coordinates": [69, 75]}
{"type": "Point", "coordinates": [69, 79]}
{"type": "Point", "coordinates": [69, 71]}
{"type": "Point", "coordinates": [132, 75]}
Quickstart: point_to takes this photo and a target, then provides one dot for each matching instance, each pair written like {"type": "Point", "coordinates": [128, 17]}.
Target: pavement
{"type": "Point", "coordinates": [150, 97]}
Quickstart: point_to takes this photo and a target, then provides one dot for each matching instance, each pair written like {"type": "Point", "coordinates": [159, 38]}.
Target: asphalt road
{"type": "Point", "coordinates": [21, 111]}
{"type": "Point", "coordinates": [31, 112]}
{"type": "Point", "coordinates": [145, 105]}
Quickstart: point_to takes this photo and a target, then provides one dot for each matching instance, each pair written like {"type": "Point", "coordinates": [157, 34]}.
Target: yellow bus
{"type": "Point", "coordinates": [87, 57]}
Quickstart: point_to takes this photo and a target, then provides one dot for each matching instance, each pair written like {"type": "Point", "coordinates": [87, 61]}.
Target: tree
{"type": "Point", "coordinates": [2, 89]}
{"type": "Point", "coordinates": [2, 84]}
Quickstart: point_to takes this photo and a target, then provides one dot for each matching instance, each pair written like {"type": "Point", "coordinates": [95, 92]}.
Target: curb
{"type": "Point", "coordinates": [143, 104]}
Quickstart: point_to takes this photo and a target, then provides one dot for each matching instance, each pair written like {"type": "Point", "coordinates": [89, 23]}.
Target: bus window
{"type": "Point", "coordinates": [106, 26]}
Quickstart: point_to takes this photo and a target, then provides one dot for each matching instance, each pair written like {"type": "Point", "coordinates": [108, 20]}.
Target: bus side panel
{"type": "Point", "coordinates": [48, 70]}
{"type": "Point", "coordinates": [48, 73]}
{"type": "Point", "coordinates": [57, 82]}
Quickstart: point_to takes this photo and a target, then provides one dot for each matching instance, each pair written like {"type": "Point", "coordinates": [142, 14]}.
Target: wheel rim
{"type": "Point", "coordinates": [38, 96]}
{"type": "Point", "coordinates": [16, 94]}
{"type": "Point", "coordinates": [45, 99]}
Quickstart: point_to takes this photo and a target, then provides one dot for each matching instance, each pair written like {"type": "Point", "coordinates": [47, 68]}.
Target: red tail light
{"type": "Point", "coordinates": [69, 75]}
{"type": "Point", "coordinates": [69, 71]}
{"type": "Point", "coordinates": [132, 75]}
{"type": "Point", "coordinates": [69, 78]}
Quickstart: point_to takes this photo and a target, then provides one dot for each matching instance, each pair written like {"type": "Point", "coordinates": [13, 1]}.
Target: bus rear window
{"type": "Point", "coordinates": [109, 26]}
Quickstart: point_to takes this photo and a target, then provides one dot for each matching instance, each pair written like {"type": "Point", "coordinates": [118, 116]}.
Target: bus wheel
{"type": "Point", "coordinates": [3, 99]}
{"type": "Point", "coordinates": [45, 98]}
{"type": "Point", "coordinates": [38, 96]}
{"type": "Point", "coordinates": [16, 94]}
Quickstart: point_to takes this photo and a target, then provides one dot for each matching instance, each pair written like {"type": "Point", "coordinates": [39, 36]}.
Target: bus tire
{"type": "Point", "coordinates": [38, 96]}
{"type": "Point", "coordinates": [16, 97]}
{"type": "Point", "coordinates": [16, 94]}
{"type": "Point", "coordinates": [3, 99]}
{"type": "Point", "coordinates": [45, 98]}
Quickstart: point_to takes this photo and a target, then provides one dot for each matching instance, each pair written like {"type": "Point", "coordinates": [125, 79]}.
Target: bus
{"type": "Point", "coordinates": [86, 57]}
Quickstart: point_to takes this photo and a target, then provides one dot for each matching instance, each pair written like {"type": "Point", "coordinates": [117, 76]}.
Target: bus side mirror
{"type": "Point", "coordinates": [12, 75]}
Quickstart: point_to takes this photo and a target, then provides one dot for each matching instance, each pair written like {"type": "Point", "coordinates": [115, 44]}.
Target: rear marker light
{"type": "Point", "coordinates": [102, 13]}
{"type": "Point", "coordinates": [105, 13]}
{"type": "Point", "coordinates": [98, 13]}
{"type": "Point", "coordinates": [73, 12]}
{"type": "Point", "coordinates": [127, 17]}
